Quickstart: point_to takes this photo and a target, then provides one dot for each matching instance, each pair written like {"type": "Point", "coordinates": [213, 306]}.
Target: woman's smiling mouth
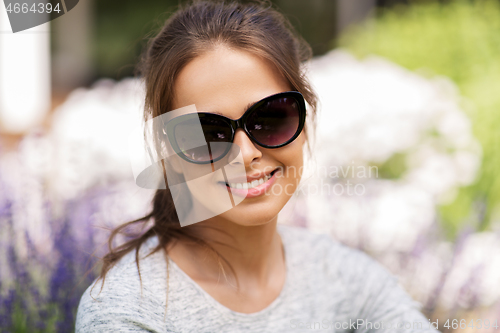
{"type": "Point", "coordinates": [254, 188]}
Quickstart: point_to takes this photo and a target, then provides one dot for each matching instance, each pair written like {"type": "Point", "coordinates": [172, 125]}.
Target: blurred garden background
{"type": "Point", "coordinates": [410, 89]}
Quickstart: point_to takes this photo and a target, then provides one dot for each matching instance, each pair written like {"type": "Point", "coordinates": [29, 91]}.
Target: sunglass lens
{"type": "Point", "coordinates": [275, 122]}
{"type": "Point", "coordinates": [192, 140]}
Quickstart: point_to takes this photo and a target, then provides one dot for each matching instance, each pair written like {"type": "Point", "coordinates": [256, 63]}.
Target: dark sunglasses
{"type": "Point", "coordinates": [272, 122]}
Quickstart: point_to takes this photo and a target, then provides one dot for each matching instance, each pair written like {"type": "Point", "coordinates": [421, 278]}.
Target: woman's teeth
{"type": "Point", "coordinates": [255, 183]}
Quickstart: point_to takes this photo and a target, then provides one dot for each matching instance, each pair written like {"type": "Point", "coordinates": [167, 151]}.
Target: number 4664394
{"type": "Point", "coordinates": [35, 8]}
{"type": "Point", "coordinates": [477, 323]}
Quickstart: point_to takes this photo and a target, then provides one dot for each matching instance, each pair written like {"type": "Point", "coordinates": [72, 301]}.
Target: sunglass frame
{"type": "Point", "coordinates": [238, 123]}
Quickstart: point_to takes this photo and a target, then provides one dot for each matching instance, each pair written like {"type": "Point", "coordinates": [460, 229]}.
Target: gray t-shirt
{"type": "Point", "coordinates": [328, 288]}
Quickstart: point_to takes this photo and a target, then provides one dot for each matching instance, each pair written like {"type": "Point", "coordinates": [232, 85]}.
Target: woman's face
{"type": "Point", "coordinates": [227, 81]}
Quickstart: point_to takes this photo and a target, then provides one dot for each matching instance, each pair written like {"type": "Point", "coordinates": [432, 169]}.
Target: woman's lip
{"type": "Point", "coordinates": [256, 191]}
{"type": "Point", "coordinates": [250, 179]}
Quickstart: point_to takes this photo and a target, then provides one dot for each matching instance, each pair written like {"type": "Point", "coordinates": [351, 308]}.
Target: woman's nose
{"type": "Point", "coordinates": [249, 150]}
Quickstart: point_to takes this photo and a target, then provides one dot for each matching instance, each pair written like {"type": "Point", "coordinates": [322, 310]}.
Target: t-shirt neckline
{"type": "Point", "coordinates": [251, 316]}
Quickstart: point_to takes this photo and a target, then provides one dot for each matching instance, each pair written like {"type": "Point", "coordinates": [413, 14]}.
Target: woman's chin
{"type": "Point", "coordinates": [250, 217]}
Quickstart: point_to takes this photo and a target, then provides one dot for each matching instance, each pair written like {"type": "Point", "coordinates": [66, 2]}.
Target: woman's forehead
{"type": "Point", "coordinates": [226, 81]}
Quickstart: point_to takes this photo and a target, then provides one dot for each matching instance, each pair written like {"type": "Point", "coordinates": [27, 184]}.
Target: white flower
{"type": "Point", "coordinates": [369, 111]}
{"type": "Point", "coordinates": [90, 136]}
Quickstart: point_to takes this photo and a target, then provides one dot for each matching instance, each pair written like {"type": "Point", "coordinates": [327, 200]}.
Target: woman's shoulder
{"type": "Point", "coordinates": [313, 243]}
{"type": "Point", "coordinates": [123, 294]}
{"type": "Point", "coordinates": [300, 236]}
{"type": "Point", "coordinates": [324, 252]}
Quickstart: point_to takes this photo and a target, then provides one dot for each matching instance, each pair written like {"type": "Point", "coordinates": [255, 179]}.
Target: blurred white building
{"type": "Point", "coordinates": [25, 84]}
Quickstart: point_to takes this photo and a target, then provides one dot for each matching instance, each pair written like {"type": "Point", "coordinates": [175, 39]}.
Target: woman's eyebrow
{"type": "Point", "coordinates": [249, 105]}
{"type": "Point", "coordinates": [216, 112]}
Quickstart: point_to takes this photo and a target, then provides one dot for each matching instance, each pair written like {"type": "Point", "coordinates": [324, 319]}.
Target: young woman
{"type": "Point", "coordinates": [237, 271]}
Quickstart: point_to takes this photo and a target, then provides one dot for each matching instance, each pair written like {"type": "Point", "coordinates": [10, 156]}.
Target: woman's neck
{"type": "Point", "coordinates": [255, 253]}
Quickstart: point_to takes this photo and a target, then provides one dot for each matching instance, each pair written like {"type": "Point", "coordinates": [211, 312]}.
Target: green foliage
{"type": "Point", "coordinates": [22, 318]}
{"type": "Point", "coordinates": [19, 319]}
{"type": "Point", "coordinates": [461, 40]}
{"type": "Point", "coordinates": [394, 167]}
{"type": "Point", "coordinates": [121, 30]}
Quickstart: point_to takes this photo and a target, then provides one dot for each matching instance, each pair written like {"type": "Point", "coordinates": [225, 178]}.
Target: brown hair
{"type": "Point", "coordinates": [194, 29]}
